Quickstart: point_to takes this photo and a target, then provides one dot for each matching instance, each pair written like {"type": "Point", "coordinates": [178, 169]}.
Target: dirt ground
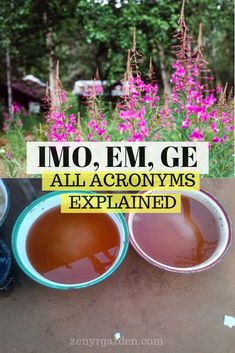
{"type": "Point", "coordinates": [183, 313]}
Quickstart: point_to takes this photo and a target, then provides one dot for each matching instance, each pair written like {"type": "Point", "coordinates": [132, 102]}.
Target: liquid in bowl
{"type": "Point", "coordinates": [72, 247]}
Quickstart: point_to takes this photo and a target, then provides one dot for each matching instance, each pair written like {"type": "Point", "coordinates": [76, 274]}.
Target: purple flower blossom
{"type": "Point", "coordinates": [8, 154]}
{"type": "Point", "coordinates": [196, 135]}
{"type": "Point", "coordinates": [209, 100]}
{"type": "Point", "coordinates": [214, 128]}
{"type": "Point", "coordinates": [141, 97]}
{"type": "Point", "coordinates": [216, 139]}
{"type": "Point", "coordinates": [224, 138]}
{"type": "Point", "coordinates": [185, 123]}
{"type": "Point", "coordinates": [16, 108]}
{"type": "Point", "coordinates": [63, 98]}
{"type": "Point", "coordinates": [62, 127]}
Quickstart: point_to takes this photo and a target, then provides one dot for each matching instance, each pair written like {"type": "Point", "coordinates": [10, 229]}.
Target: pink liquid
{"type": "Point", "coordinates": [180, 240]}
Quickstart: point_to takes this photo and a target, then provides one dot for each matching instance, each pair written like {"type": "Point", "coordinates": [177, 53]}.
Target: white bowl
{"type": "Point", "coordinates": [225, 234]}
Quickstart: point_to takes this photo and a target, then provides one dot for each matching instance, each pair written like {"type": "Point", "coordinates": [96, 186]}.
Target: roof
{"type": "Point", "coordinates": [30, 86]}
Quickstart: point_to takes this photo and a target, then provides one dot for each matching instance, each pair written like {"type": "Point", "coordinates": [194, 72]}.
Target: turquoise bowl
{"type": "Point", "coordinates": [27, 218]}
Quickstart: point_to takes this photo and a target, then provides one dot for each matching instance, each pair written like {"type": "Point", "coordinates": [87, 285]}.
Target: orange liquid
{"type": "Point", "coordinates": [181, 240]}
{"type": "Point", "coordinates": [72, 248]}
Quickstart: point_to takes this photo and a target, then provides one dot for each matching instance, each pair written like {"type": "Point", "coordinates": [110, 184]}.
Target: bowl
{"type": "Point", "coordinates": [4, 201]}
{"type": "Point", "coordinates": [27, 218]}
{"type": "Point", "coordinates": [223, 226]}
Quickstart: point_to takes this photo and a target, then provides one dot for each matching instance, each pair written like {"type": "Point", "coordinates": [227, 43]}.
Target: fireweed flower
{"type": "Point", "coordinates": [167, 120]}
{"type": "Point", "coordinates": [185, 123]}
{"type": "Point", "coordinates": [224, 139]}
{"type": "Point", "coordinates": [196, 135]}
{"type": "Point", "coordinates": [192, 109]}
{"type": "Point", "coordinates": [62, 95]}
{"type": "Point", "coordinates": [16, 108]}
{"type": "Point", "coordinates": [62, 126]}
{"type": "Point", "coordinates": [135, 106]}
{"type": "Point", "coordinates": [197, 110]}
{"type": "Point", "coordinates": [97, 124]}
{"type": "Point", "coordinates": [97, 129]}
{"type": "Point", "coordinates": [214, 128]}
{"type": "Point", "coordinates": [9, 154]}
{"type": "Point", "coordinates": [209, 100]}
{"type": "Point", "coordinates": [216, 139]}
{"type": "Point", "coordinates": [197, 107]}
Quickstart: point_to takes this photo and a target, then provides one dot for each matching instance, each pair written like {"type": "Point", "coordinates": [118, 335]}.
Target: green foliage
{"type": "Point", "coordinates": [22, 129]}
{"type": "Point", "coordinates": [88, 35]}
{"type": "Point", "coordinates": [217, 18]}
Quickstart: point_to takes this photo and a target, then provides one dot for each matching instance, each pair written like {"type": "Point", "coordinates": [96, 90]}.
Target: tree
{"type": "Point", "coordinates": [13, 24]}
{"type": "Point", "coordinates": [85, 35]}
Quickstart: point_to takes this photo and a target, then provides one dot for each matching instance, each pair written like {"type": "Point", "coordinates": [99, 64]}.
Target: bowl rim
{"type": "Point", "coordinates": [184, 269]}
{"type": "Point", "coordinates": [7, 201]}
{"type": "Point", "coordinates": [56, 285]}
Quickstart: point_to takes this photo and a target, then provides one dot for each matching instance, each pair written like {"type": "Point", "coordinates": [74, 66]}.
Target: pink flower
{"type": "Point", "coordinates": [196, 135]}
{"type": "Point", "coordinates": [16, 108]}
{"type": "Point", "coordinates": [216, 139]}
{"type": "Point", "coordinates": [225, 118]}
{"type": "Point", "coordinates": [6, 117]}
{"type": "Point", "coordinates": [195, 71]}
{"type": "Point", "coordinates": [9, 154]}
{"type": "Point", "coordinates": [137, 137]}
{"type": "Point", "coordinates": [209, 100]}
{"type": "Point", "coordinates": [230, 127]}
{"type": "Point", "coordinates": [192, 109]}
{"type": "Point", "coordinates": [72, 119]}
{"type": "Point", "coordinates": [213, 114]}
{"type": "Point", "coordinates": [190, 81]}
{"type": "Point", "coordinates": [69, 128]}
{"type": "Point", "coordinates": [214, 128]}
{"type": "Point", "coordinates": [180, 70]}
{"type": "Point", "coordinates": [100, 131]}
{"type": "Point", "coordinates": [97, 124]}
{"type": "Point", "coordinates": [62, 127]}
{"type": "Point", "coordinates": [195, 94]}
{"type": "Point", "coordinates": [203, 116]}
{"type": "Point", "coordinates": [123, 127]}
{"type": "Point", "coordinates": [136, 104]}
{"type": "Point", "coordinates": [63, 96]}
{"type": "Point", "coordinates": [174, 97]}
{"type": "Point", "coordinates": [224, 138]}
{"type": "Point", "coordinates": [185, 123]}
